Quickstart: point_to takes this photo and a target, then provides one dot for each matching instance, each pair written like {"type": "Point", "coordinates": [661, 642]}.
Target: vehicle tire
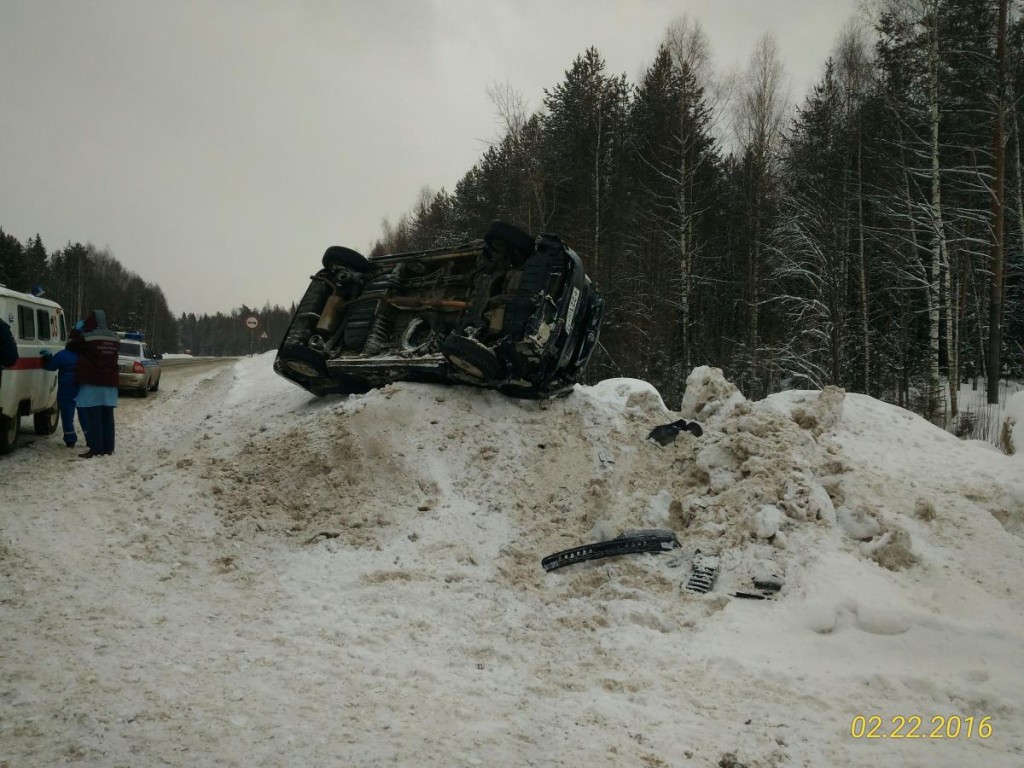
{"type": "Point", "coordinates": [156, 385]}
{"type": "Point", "coordinates": [510, 241]}
{"type": "Point", "coordinates": [144, 391]}
{"type": "Point", "coordinates": [304, 363]}
{"type": "Point", "coordinates": [473, 358]}
{"type": "Point", "coordinates": [294, 353]}
{"type": "Point", "coordinates": [307, 314]}
{"type": "Point", "coordinates": [339, 256]}
{"type": "Point", "coordinates": [9, 429]}
{"type": "Point", "coordinates": [45, 422]}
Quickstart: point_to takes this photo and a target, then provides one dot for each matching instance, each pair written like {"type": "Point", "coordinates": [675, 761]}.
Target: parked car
{"type": "Point", "coordinates": [138, 368]}
{"type": "Point", "coordinates": [26, 388]}
{"type": "Point", "coordinates": [509, 312]}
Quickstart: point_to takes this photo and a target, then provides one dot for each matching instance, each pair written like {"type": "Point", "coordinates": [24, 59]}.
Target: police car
{"type": "Point", "coordinates": [138, 368]}
{"type": "Point", "coordinates": [26, 389]}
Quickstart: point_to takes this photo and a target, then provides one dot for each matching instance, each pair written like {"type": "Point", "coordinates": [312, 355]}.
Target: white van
{"type": "Point", "coordinates": [26, 389]}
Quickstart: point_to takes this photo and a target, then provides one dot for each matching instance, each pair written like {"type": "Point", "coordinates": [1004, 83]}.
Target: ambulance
{"type": "Point", "coordinates": [26, 389]}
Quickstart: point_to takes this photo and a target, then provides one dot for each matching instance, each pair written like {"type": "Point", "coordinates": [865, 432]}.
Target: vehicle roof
{"type": "Point", "coordinates": [28, 298]}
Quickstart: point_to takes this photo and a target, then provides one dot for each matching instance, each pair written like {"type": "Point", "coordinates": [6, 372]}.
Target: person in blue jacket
{"type": "Point", "coordinates": [64, 363]}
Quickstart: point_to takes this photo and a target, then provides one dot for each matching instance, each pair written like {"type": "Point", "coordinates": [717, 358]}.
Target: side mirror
{"type": "Point", "coordinates": [158, 357]}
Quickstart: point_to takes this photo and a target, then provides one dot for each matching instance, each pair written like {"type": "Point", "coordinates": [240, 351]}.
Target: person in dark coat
{"type": "Point", "coordinates": [96, 376]}
{"type": "Point", "coordinates": [65, 362]}
{"type": "Point", "coordinates": [8, 346]}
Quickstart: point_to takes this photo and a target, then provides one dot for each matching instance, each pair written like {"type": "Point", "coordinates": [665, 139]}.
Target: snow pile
{"type": "Point", "coordinates": [366, 469]}
{"type": "Point", "coordinates": [708, 394]}
{"type": "Point", "coordinates": [278, 579]}
{"type": "Point", "coordinates": [1012, 430]}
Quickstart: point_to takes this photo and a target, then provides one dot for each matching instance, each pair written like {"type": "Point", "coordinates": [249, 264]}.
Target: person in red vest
{"type": "Point", "coordinates": [96, 376]}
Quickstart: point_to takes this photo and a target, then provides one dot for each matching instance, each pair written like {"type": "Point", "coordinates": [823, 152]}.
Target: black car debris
{"type": "Point", "coordinates": [510, 312]}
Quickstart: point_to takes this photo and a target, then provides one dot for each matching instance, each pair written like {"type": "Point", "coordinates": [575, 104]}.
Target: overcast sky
{"type": "Point", "coordinates": [217, 147]}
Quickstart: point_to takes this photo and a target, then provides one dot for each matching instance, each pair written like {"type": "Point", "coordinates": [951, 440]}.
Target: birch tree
{"type": "Point", "coordinates": [854, 73]}
{"type": "Point", "coordinates": [690, 51]}
{"type": "Point", "coordinates": [759, 129]}
{"type": "Point", "coordinates": [674, 171]}
{"type": "Point", "coordinates": [931, 22]}
{"type": "Point", "coordinates": [998, 212]}
{"type": "Point", "coordinates": [811, 243]}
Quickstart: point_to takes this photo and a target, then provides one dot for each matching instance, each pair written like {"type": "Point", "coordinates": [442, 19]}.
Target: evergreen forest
{"type": "Point", "coordinates": [869, 236]}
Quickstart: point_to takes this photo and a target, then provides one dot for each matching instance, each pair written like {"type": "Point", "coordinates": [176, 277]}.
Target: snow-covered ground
{"type": "Point", "coordinates": [262, 578]}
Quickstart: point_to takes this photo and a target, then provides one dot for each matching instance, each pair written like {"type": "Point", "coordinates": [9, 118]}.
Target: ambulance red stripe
{"type": "Point", "coordinates": [26, 364]}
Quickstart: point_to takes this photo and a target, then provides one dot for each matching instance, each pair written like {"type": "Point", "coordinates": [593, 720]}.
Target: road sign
{"type": "Point", "coordinates": [251, 322]}
{"type": "Point", "coordinates": [264, 335]}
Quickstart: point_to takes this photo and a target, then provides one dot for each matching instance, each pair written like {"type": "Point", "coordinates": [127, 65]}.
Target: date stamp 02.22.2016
{"type": "Point", "coordinates": [918, 727]}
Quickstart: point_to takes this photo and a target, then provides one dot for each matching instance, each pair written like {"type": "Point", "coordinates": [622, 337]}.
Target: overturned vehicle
{"type": "Point", "coordinates": [509, 312]}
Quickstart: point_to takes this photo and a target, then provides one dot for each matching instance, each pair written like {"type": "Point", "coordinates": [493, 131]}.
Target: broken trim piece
{"type": "Point", "coordinates": [652, 540]}
{"type": "Point", "coordinates": [704, 574]}
{"type": "Point", "coordinates": [667, 433]}
{"type": "Point", "coordinates": [766, 589]}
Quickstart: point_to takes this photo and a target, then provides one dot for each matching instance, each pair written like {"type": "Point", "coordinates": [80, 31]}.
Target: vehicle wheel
{"type": "Point", "coordinates": [472, 357]}
{"type": "Point", "coordinates": [303, 362]}
{"type": "Point", "coordinates": [294, 357]}
{"type": "Point", "coordinates": [338, 256]}
{"type": "Point", "coordinates": [306, 315]}
{"type": "Point", "coordinates": [156, 385]}
{"type": "Point", "coordinates": [9, 428]}
{"type": "Point", "coordinates": [45, 422]}
{"type": "Point", "coordinates": [510, 241]}
{"type": "Point", "coordinates": [144, 392]}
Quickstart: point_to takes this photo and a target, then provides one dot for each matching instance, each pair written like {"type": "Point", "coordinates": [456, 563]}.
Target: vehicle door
{"type": "Point", "coordinates": [35, 330]}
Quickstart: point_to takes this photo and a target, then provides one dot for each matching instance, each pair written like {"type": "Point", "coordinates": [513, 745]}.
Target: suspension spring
{"type": "Point", "coordinates": [378, 335]}
{"type": "Point", "coordinates": [383, 321]}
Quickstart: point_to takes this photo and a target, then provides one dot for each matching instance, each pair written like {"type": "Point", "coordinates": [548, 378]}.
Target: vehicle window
{"type": "Point", "coordinates": [63, 327]}
{"type": "Point", "coordinates": [146, 351]}
{"type": "Point", "coordinates": [43, 324]}
{"type": "Point", "coordinates": [26, 323]}
{"type": "Point", "coordinates": [129, 349]}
